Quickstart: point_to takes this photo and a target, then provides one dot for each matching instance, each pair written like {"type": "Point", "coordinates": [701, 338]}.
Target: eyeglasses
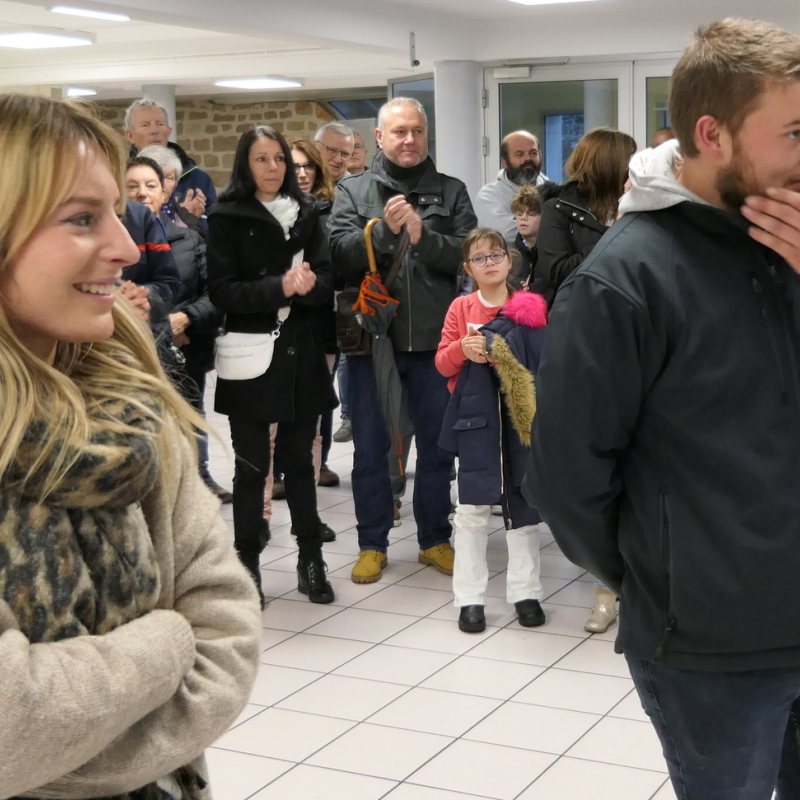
{"type": "Point", "coordinates": [525, 215]}
{"type": "Point", "coordinates": [359, 147]}
{"type": "Point", "coordinates": [334, 151]}
{"type": "Point", "coordinates": [482, 261]}
{"type": "Point", "coordinates": [309, 166]}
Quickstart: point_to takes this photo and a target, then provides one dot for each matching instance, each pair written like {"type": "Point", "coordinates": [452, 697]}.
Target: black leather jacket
{"type": "Point", "coordinates": [426, 282]}
{"type": "Point", "coordinates": [568, 232]}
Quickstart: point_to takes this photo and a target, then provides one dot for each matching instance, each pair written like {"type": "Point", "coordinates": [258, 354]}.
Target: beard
{"type": "Point", "coordinates": [526, 173]}
{"type": "Point", "coordinates": [737, 181]}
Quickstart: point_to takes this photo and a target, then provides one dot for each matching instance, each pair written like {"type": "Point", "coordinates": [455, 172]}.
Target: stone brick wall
{"type": "Point", "coordinates": [209, 131]}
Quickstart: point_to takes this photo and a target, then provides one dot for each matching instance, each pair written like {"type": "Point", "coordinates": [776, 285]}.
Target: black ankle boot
{"type": "Point", "coordinates": [471, 619]}
{"type": "Point", "coordinates": [311, 579]}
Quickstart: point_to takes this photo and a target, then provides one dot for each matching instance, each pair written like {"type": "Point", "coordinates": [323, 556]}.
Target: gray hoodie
{"type": "Point", "coordinates": [654, 184]}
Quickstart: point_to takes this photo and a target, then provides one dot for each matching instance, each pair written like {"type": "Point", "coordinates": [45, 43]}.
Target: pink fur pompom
{"type": "Point", "coordinates": [526, 308]}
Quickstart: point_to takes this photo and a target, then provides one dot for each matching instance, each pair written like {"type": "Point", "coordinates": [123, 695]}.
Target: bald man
{"type": "Point", "coordinates": [662, 135]}
{"type": "Point", "coordinates": [522, 164]}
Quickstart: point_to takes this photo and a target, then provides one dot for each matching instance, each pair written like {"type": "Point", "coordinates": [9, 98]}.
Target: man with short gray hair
{"type": "Point", "coordinates": [147, 122]}
{"type": "Point", "coordinates": [335, 142]}
{"type": "Point", "coordinates": [425, 217]}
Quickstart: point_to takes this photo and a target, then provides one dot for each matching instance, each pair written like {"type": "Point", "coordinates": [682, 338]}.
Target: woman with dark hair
{"type": "Point", "coordinates": [268, 268]}
{"type": "Point", "coordinates": [574, 222]}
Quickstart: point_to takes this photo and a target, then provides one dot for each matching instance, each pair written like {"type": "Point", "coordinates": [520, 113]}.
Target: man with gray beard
{"type": "Point", "coordinates": [522, 164]}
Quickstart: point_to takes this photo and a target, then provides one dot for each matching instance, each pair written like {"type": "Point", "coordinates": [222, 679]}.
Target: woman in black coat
{"type": "Point", "coordinates": [574, 222]}
{"type": "Point", "coordinates": [267, 253]}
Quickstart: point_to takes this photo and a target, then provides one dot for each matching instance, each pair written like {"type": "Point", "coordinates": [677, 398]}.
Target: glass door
{"type": "Point", "coordinates": [650, 98]}
{"type": "Point", "coordinates": [558, 105]}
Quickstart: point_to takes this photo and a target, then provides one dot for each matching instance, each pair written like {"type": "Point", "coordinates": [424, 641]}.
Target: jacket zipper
{"type": "Point", "coordinates": [503, 498]}
{"type": "Point", "coordinates": [775, 349]}
{"type": "Point", "coordinates": [669, 627]}
{"type": "Point", "coordinates": [408, 285]}
{"type": "Point", "coordinates": [790, 345]}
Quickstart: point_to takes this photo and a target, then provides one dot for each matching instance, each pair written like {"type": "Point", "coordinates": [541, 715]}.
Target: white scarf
{"type": "Point", "coordinates": [285, 210]}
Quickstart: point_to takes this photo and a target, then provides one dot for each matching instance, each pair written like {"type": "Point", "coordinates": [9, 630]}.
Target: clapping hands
{"type": "Point", "coordinates": [299, 280]}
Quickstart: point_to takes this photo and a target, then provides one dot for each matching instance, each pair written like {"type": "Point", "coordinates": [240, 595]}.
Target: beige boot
{"type": "Point", "coordinates": [604, 613]}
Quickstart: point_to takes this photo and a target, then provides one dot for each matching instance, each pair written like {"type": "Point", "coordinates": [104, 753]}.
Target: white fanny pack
{"type": "Point", "coordinates": [244, 356]}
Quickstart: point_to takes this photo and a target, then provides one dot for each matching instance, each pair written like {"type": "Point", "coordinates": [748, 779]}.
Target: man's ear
{"type": "Point", "coordinates": [129, 135]}
{"type": "Point", "coordinates": [379, 137]}
{"type": "Point", "coordinates": [712, 138]}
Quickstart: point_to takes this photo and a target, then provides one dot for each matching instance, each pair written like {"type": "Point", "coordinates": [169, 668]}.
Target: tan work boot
{"type": "Point", "coordinates": [604, 613]}
{"type": "Point", "coordinates": [369, 566]}
{"type": "Point", "coordinates": [442, 557]}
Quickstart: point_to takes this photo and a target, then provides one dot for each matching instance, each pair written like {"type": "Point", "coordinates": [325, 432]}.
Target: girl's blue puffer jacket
{"type": "Point", "coordinates": [492, 407]}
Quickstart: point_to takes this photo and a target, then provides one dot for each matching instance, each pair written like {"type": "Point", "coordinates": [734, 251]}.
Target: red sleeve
{"type": "Point", "coordinates": [449, 357]}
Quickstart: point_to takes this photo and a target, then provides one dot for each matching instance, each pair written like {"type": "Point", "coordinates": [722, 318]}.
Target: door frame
{"type": "Point", "coordinates": [642, 70]}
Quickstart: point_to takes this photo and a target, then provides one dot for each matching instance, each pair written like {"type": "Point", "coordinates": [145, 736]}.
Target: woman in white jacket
{"type": "Point", "coordinates": [129, 632]}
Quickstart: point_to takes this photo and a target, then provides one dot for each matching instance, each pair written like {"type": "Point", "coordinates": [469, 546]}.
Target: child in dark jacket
{"type": "Point", "coordinates": [490, 348]}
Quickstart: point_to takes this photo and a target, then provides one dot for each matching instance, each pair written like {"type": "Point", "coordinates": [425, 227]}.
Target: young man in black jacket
{"type": "Point", "coordinates": [406, 191]}
{"type": "Point", "coordinates": [666, 449]}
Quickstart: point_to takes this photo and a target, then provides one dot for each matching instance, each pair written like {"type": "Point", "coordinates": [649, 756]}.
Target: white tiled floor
{"type": "Point", "coordinates": [379, 695]}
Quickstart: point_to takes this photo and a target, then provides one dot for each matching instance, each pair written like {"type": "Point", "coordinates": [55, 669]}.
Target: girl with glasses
{"type": "Point", "coordinates": [490, 346]}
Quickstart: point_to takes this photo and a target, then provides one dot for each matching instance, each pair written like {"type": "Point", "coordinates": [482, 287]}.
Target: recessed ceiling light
{"type": "Point", "coordinates": [42, 38]}
{"type": "Point", "coordinates": [88, 12]}
{"type": "Point", "coordinates": [260, 83]}
{"type": "Point", "coordinates": [75, 91]}
{"type": "Point", "coordinates": [546, 2]}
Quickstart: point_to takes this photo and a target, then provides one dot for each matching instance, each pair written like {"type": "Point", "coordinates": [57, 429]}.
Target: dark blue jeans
{"type": "Point", "coordinates": [725, 735]}
{"type": "Point", "coordinates": [372, 490]}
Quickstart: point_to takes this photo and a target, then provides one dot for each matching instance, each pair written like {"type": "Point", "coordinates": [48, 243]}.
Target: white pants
{"type": "Point", "coordinates": [471, 573]}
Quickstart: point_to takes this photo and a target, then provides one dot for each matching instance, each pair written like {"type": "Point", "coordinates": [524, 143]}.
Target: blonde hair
{"type": "Point", "coordinates": [41, 143]}
{"type": "Point", "coordinates": [599, 165]}
{"type": "Point", "coordinates": [724, 71]}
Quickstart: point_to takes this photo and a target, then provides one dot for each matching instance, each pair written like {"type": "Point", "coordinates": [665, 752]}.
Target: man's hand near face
{"type": "Point", "coordinates": [777, 218]}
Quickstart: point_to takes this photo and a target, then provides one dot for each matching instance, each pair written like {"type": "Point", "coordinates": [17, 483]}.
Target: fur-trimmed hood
{"type": "Point", "coordinates": [528, 310]}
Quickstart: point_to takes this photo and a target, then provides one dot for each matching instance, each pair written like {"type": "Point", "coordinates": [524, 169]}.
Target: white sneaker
{"type": "Point", "coordinates": [604, 613]}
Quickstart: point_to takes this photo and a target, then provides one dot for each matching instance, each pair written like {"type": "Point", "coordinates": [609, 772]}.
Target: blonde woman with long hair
{"type": "Point", "coordinates": [129, 632]}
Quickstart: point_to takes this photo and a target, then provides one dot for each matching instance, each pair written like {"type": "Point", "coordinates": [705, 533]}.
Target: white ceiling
{"type": "Point", "coordinates": [343, 44]}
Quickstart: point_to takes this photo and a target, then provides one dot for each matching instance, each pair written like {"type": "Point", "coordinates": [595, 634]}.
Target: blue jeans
{"type": "Point", "coordinates": [372, 489]}
{"type": "Point", "coordinates": [725, 735]}
{"type": "Point", "coordinates": [342, 375]}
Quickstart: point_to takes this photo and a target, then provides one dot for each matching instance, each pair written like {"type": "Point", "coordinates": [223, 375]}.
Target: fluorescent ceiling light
{"type": "Point", "coordinates": [74, 91]}
{"type": "Point", "coordinates": [260, 83]}
{"type": "Point", "coordinates": [88, 12]}
{"type": "Point", "coordinates": [42, 38]}
{"type": "Point", "coordinates": [546, 2]}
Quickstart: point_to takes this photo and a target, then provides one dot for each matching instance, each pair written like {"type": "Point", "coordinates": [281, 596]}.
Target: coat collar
{"type": "Point", "coordinates": [429, 186]}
